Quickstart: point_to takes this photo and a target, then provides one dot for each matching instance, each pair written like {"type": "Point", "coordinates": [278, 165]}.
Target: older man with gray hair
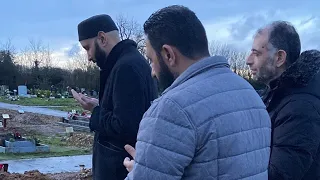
{"type": "Point", "coordinates": [292, 98]}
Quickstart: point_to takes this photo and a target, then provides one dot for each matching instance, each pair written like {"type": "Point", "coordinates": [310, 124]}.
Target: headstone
{"type": "Point", "coordinates": [69, 131]}
{"type": "Point", "coordinates": [4, 120]}
{"type": "Point", "coordinates": [5, 116]}
{"type": "Point", "coordinates": [22, 90]}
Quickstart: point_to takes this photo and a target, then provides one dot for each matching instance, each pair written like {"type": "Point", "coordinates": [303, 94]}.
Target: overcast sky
{"type": "Point", "coordinates": [229, 21]}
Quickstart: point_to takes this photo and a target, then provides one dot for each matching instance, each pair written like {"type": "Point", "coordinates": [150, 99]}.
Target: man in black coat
{"type": "Point", "coordinates": [126, 92]}
{"type": "Point", "coordinates": [292, 98]}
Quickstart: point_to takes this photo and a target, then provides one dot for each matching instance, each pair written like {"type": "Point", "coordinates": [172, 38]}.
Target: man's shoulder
{"type": "Point", "coordinates": [131, 56]}
{"type": "Point", "coordinates": [134, 60]}
{"type": "Point", "coordinates": [211, 86]}
{"type": "Point", "coordinates": [299, 105]}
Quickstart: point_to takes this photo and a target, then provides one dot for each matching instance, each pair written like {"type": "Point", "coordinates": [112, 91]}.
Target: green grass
{"type": "Point", "coordinates": [57, 148]}
{"type": "Point", "coordinates": [67, 104]}
{"type": "Point", "coordinates": [42, 102]}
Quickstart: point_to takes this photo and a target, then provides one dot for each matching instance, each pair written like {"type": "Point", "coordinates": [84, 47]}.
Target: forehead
{"type": "Point", "coordinates": [260, 41]}
{"type": "Point", "coordinates": [87, 42]}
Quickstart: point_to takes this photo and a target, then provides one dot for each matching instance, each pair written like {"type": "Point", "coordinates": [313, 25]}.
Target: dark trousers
{"type": "Point", "coordinates": [107, 162]}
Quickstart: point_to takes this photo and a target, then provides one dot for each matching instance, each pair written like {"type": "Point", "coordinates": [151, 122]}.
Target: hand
{"type": "Point", "coordinates": [127, 162]}
{"type": "Point", "coordinates": [87, 103]}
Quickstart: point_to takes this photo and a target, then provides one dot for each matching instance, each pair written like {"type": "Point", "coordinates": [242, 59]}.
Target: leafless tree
{"type": "Point", "coordinates": [235, 58]}
{"type": "Point", "coordinates": [8, 46]}
{"type": "Point", "coordinates": [131, 29]}
{"type": "Point", "coordinates": [36, 54]}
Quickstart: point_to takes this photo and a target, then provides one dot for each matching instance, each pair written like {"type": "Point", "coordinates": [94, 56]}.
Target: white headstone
{"type": "Point", "coordinates": [5, 116]}
{"type": "Point", "coordinates": [69, 129]}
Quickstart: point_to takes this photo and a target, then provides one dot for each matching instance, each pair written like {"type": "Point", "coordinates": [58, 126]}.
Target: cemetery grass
{"type": "Point", "coordinates": [46, 130]}
{"type": "Point", "coordinates": [57, 148]}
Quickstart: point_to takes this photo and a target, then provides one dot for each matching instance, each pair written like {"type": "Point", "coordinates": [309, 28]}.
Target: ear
{"type": "Point", "coordinates": [281, 59]}
{"type": "Point", "coordinates": [168, 55]}
{"type": "Point", "coordinates": [102, 38]}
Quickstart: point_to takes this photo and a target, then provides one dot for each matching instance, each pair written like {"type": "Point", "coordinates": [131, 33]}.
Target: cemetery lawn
{"type": "Point", "coordinates": [57, 148]}
{"type": "Point", "coordinates": [48, 132]}
{"type": "Point", "coordinates": [67, 104]}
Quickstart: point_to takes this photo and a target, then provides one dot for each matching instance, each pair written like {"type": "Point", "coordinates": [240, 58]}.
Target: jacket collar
{"type": "Point", "coordinates": [198, 68]}
{"type": "Point", "coordinates": [116, 53]}
{"type": "Point", "coordinates": [300, 72]}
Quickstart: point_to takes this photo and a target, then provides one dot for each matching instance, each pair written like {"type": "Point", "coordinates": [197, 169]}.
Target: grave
{"type": "Point", "coordinates": [76, 121]}
{"type": "Point", "coordinates": [14, 143]}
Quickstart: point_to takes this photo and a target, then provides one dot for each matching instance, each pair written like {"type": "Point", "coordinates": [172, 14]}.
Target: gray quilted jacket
{"type": "Point", "coordinates": [209, 124]}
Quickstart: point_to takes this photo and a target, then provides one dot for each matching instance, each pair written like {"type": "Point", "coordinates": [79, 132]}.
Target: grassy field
{"type": "Point", "coordinates": [57, 148]}
{"type": "Point", "coordinates": [66, 104]}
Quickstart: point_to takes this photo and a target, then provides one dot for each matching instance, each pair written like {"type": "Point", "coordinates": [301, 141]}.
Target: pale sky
{"type": "Point", "coordinates": [228, 21]}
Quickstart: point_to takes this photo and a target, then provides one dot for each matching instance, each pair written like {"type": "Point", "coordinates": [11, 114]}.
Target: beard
{"type": "Point", "coordinates": [165, 78]}
{"type": "Point", "coordinates": [267, 72]}
{"type": "Point", "coordinates": [100, 56]}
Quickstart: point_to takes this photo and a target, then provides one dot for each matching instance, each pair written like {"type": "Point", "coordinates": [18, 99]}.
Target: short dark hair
{"type": "Point", "coordinates": [283, 35]}
{"type": "Point", "coordinates": [180, 27]}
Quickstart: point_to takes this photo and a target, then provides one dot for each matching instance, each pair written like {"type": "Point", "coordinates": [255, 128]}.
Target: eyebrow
{"type": "Point", "coordinates": [255, 50]}
{"type": "Point", "coordinates": [85, 47]}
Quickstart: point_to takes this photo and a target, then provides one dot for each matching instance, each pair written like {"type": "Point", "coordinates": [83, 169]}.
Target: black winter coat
{"type": "Point", "coordinates": [126, 92]}
{"type": "Point", "coordinates": [293, 102]}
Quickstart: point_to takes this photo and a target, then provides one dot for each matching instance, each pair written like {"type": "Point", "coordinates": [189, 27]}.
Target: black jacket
{"type": "Point", "coordinates": [126, 92]}
{"type": "Point", "coordinates": [293, 102]}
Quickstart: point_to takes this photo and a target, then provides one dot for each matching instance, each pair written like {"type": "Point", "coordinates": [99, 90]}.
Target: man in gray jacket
{"type": "Point", "coordinates": [209, 123]}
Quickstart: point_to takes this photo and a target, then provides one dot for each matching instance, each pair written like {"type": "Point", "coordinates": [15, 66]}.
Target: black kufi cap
{"type": "Point", "coordinates": [90, 27]}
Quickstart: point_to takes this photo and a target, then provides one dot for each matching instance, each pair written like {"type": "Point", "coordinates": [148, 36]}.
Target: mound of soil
{"type": "Point", "coordinates": [30, 123]}
{"type": "Point", "coordinates": [36, 175]}
{"type": "Point", "coordinates": [80, 140]}
{"type": "Point", "coordinates": [29, 175]}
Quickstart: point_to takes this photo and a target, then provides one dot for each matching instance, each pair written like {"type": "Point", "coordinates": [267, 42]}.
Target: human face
{"type": "Point", "coordinates": [159, 69]}
{"type": "Point", "coordinates": [94, 52]}
{"type": "Point", "coordinates": [262, 60]}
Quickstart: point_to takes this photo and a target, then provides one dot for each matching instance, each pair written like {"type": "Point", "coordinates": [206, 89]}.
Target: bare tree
{"type": "Point", "coordinates": [8, 46]}
{"type": "Point", "coordinates": [79, 60]}
{"type": "Point", "coordinates": [131, 29]}
{"type": "Point", "coordinates": [36, 54]}
{"type": "Point", "coordinates": [235, 58]}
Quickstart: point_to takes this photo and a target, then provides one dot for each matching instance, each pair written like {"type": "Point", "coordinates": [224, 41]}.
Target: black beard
{"type": "Point", "coordinates": [100, 56]}
{"type": "Point", "coordinates": [166, 78]}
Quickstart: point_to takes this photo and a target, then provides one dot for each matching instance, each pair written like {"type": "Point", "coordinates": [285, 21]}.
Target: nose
{"type": "Point", "coordinates": [89, 57]}
{"type": "Point", "coordinates": [249, 60]}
